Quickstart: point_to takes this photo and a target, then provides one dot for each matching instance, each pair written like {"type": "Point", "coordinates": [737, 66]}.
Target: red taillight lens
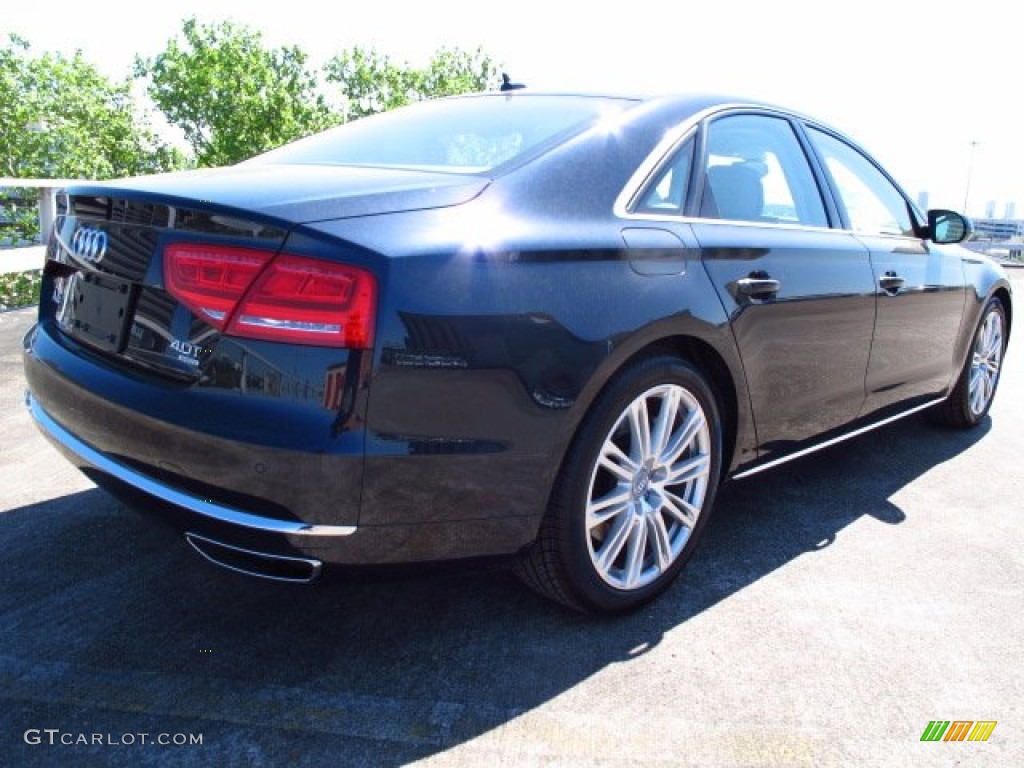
{"type": "Point", "coordinates": [210, 280]}
{"type": "Point", "coordinates": [311, 302]}
{"type": "Point", "coordinates": [252, 293]}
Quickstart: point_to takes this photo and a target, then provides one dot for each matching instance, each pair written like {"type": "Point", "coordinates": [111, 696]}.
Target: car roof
{"type": "Point", "coordinates": [678, 105]}
{"type": "Point", "coordinates": [698, 100]}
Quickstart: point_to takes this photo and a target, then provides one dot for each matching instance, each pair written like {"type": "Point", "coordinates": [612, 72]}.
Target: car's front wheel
{"type": "Point", "coordinates": [972, 395]}
{"type": "Point", "coordinates": [634, 492]}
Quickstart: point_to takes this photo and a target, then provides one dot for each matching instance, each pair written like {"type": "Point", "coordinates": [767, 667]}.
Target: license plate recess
{"type": "Point", "coordinates": [96, 311]}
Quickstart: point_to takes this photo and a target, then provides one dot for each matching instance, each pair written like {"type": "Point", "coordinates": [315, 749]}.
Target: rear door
{"type": "Point", "coordinates": [800, 294]}
{"type": "Point", "coordinates": [920, 286]}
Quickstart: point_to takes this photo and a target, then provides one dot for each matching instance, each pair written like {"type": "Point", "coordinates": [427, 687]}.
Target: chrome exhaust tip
{"type": "Point", "coordinates": [263, 565]}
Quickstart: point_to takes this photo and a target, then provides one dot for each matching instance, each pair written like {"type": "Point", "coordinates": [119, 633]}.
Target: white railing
{"type": "Point", "coordinates": [21, 259]}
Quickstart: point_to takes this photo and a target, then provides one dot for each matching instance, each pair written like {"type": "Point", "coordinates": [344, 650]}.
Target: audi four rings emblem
{"type": "Point", "coordinates": [89, 244]}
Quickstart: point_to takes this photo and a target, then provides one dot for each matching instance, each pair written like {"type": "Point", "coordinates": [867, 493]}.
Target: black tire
{"type": "Point", "coordinates": [588, 562]}
{"type": "Point", "coordinates": [967, 405]}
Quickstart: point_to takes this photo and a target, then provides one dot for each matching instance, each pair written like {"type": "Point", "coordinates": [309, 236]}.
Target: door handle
{"type": "Point", "coordinates": [890, 282]}
{"type": "Point", "coordinates": [757, 287]}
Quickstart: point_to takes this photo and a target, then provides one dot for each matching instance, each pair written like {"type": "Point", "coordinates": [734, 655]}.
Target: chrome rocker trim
{"type": "Point", "coordinates": [208, 509]}
{"type": "Point", "coordinates": [834, 440]}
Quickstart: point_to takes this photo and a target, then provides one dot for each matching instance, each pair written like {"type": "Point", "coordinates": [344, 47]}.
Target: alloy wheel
{"type": "Point", "coordinates": [985, 363]}
{"type": "Point", "coordinates": [648, 487]}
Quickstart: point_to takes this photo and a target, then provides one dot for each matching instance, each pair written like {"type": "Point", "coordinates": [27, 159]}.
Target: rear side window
{"type": "Point", "coordinates": [873, 204]}
{"type": "Point", "coordinates": [667, 192]}
{"type": "Point", "coordinates": [756, 170]}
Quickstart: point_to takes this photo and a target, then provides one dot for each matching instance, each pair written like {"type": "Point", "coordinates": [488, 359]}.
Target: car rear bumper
{"type": "Point", "coordinates": [279, 505]}
{"type": "Point", "coordinates": [85, 456]}
{"type": "Point", "coordinates": [279, 549]}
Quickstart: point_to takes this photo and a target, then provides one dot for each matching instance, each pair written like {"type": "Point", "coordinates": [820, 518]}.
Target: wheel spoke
{"type": "Point", "coordinates": [614, 542]}
{"type": "Point", "coordinates": [635, 554]}
{"type": "Point", "coordinates": [683, 437]}
{"type": "Point", "coordinates": [988, 382]}
{"type": "Point", "coordinates": [985, 341]}
{"type": "Point", "coordinates": [996, 332]}
{"type": "Point", "coordinates": [680, 509]}
{"type": "Point", "coordinates": [993, 345]}
{"type": "Point", "coordinates": [658, 534]}
{"type": "Point", "coordinates": [666, 418]}
{"type": "Point", "coordinates": [690, 469]}
{"type": "Point", "coordinates": [608, 506]}
{"type": "Point", "coordinates": [639, 430]}
{"type": "Point", "coordinates": [977, 394]}
{"type": "Point", "coordinates": [975, 386]}
{"type": "Point", "coordinates": [617, 462]}
{"type": "Point", "coordinates": [989, 346]}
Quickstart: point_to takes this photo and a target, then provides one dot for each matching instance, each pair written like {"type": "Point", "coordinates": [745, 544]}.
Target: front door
{"type": "Point", "coordinates": [920, 286]}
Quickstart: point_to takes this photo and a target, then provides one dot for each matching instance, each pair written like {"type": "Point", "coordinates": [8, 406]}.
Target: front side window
{"type": "Point", "coordinates": [873, 204]}
{"type": "Point", "coordinates": [756, 170]}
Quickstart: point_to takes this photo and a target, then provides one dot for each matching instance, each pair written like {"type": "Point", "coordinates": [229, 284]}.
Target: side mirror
{"type": "Point", "coordinates": [948, 226]}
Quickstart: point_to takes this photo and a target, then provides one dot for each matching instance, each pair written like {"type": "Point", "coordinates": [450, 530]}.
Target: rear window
{"type": "Point", "coordinates": [457, 135]}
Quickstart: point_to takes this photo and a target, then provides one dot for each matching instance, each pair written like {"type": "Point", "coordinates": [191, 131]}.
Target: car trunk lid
{"type": "Point", "coordinates": [111, 292]}
{"type": "Point", "coordinates": [298, 194]}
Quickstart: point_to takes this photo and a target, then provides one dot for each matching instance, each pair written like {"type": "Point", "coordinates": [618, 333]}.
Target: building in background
{"type": "Point", "coordinates": [999, 229]}
{"type": "Point", "coordinates": [1002, 239]}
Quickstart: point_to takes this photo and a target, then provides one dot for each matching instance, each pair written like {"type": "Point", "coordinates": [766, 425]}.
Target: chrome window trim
{"type": "Point", "coordinates": [207, 509]}
{"type": "Point", "coordinates": [658, 156]}
{"type": "Point", "coordinates": [668, 218]}
{"type": "Point", "coordinates": [674, 137]}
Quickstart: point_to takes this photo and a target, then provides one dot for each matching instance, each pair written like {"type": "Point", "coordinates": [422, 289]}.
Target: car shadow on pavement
{"type": "Point", "coordinates": [113, 626]}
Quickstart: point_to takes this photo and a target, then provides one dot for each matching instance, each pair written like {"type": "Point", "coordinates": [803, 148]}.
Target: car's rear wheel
{"type": "Point", "coordinates": [972, 396]}
{"type": "Point", "coordinates": [634, 493]}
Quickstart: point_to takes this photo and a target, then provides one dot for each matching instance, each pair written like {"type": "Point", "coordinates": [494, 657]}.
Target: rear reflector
{"type": "Point", "coordinates": [251, 293]}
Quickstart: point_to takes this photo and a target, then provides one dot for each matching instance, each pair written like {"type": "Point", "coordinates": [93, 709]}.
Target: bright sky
{"type": "Point", "coordinates": [914, 81]}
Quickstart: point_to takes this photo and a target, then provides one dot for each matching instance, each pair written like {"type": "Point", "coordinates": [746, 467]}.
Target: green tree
{"type": "Point", "coordinates": [452, 71]}
{"type": "Point", "coordinates": [371, 82]}
{"type": "Point", "coordinates": [231, 95]}
{"type": "Point", "coordinates": [61, 118]}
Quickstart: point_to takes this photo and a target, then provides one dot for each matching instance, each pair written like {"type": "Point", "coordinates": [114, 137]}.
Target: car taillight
{"type": "Point", "coordinates": [210, 280]}
{"type": "Point", "coordinates": [252, 293]}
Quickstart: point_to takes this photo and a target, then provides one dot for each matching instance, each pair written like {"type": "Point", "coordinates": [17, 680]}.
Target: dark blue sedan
{"type": "Point", "coordinates": [537, 326]}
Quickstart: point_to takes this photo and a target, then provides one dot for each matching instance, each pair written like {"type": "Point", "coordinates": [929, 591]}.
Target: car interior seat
{"type": "Point", "coordinates": [736, 193]}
